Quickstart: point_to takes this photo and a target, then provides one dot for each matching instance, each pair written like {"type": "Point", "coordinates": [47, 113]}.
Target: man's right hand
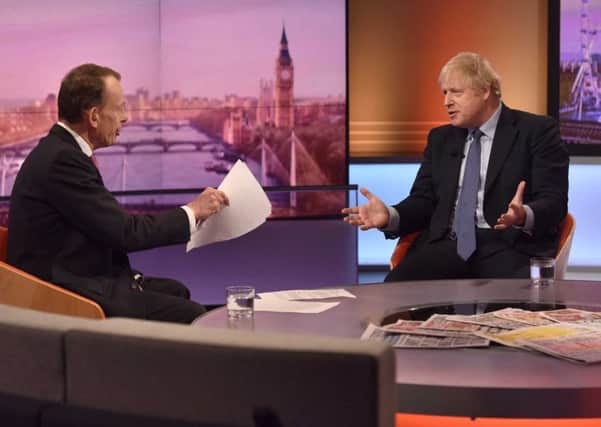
{"type": "Point", "coordinates": [207, 203]}
{"type": "Point", "coordinates": [373, 214]}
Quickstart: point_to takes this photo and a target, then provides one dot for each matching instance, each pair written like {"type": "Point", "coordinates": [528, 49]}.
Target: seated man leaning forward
{"type": "Point", "coordinates": [67, 228]}
{"type": "Point", "coordinates": [490, 193]}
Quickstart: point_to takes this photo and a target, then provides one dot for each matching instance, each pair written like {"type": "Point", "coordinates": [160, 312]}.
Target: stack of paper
{"type": "Point", "coordinates": [249, 207]}
{"type": "Point", "coordinates": [290, 301]}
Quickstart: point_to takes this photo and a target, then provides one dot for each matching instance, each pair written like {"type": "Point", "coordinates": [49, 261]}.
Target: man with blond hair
{"type": "Point", "coordinates": [490, 193]}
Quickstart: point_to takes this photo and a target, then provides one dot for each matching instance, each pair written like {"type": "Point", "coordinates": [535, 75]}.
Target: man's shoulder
{"type": "Point", "coordinates": [445, 131]}
{"type": "Point", "coordinates": [526, 118]}
{"type": "Point", "coordinates": [59, 138]}
{"type": "Point", "coordinates": [50, 150]}
{"type": "Point", "coordinates": [443, 128]}
{"type": "Point", "coordinates": [57, 141]}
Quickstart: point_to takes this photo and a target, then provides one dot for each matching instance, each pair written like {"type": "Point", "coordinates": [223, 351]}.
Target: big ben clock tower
{"type": "Point", "coordinates": [284, 82]}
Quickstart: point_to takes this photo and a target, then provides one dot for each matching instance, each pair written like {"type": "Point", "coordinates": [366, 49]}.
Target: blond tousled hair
{"type": "Point", "coordinates": [475, 69]}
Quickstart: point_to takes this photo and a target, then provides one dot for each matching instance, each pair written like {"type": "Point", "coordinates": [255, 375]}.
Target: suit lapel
{"type": "Point", "coordinates": [65, 136]}
{"type": "Point", "coordinates": [454, 153]}
{"type": "Point", "coordinates": [505, 137]}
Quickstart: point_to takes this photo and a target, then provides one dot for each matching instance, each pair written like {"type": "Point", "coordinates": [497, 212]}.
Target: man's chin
{"type": "Point", "coordinates": [106, 144]}
{"type": "Point", "coordinates": [459, 123]}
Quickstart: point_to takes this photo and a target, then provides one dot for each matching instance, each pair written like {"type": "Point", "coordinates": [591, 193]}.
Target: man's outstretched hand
{"type": "Point", "coordinates": [516, 214]}
{"type": "Point", "coordinates": [373, 214]}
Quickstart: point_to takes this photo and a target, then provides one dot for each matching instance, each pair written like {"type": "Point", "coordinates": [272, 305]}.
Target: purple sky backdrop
{"type": "Point", "coordinates": [236, 43]}
{"type": "Point", "coordinates": [204, 47]}
{"type": "Point", "coordinates": [570, 27]}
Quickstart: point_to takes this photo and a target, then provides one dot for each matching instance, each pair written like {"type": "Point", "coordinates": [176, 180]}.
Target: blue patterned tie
{"type": "Point", "coordinates": [464, 222]}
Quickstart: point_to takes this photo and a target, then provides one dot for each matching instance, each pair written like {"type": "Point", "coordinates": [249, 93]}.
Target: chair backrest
{"type": "Point", "coordinates": [32, 356]}
{"type": "Point", "coordinates": [3, 242]}
{"type": "Point", "coordinates": [402, 247]}
{"type": "Point", "coordinates": [230, 376]}
{"type": "Point", "coordinates": [22, 289]}
{"type": "Point", "coordinates": [567, 229]}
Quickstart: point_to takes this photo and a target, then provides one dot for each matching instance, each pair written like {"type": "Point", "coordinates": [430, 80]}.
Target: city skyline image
{"type": "Point", "coordinates": [580, 72]}
{"type": "Point", "coordinates": [206, 82]}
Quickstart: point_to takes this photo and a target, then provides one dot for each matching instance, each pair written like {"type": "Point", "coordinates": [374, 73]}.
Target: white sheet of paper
{"type": "Point", "coordinates": [281, 305]}
{"type": "Point", "coordinates": [308, 294]}
{"type": "Point", "coordinates": [249, 207]}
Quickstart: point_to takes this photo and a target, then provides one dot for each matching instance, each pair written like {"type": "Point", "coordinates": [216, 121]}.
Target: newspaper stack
{"type": "Point", "coordinates": [569, 333]}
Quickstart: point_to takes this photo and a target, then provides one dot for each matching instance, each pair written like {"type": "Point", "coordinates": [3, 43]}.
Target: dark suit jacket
{"type": "Point", "coordinates": [67, 228]}
{"type": "Point", "coordinates": [525, 147]}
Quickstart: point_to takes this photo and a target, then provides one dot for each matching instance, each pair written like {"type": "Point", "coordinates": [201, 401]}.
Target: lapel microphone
{"type": "Point", "coordinates": [456, 153]}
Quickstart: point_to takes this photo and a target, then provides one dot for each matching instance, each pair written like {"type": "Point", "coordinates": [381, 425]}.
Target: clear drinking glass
{"type": "Point", "coordinates": [240, 301]}
{"type": "Point", "coordinates": [542, 271]}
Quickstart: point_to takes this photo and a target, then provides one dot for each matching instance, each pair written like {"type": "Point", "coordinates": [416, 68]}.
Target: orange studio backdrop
{"type": "Point", "coordinates": [396, 50]}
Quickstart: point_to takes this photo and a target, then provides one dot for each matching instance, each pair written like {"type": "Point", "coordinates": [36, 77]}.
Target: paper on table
{"type": "Point", "coordinates": [249, 207]}
{"type": "Point", "coordinates": [308, 294]}
{"type": "Point", "coordinates": [285, 306]}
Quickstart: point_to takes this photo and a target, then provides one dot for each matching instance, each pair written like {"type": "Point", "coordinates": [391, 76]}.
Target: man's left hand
{"type": "Point", "coordinates": [516, 214]}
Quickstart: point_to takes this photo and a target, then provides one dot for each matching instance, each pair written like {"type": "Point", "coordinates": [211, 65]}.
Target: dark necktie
{"type": "Point", "coordinates": [464, 222]}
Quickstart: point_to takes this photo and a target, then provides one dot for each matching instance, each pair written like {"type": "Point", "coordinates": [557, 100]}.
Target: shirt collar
{"type": "Point", "coordinates": [85, 147]}
{"type": "Point", "coordinates": [489, 126]}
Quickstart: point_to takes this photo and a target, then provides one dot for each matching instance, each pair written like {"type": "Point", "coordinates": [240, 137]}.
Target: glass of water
{"type": "Point", "coordinates": [240, 301]}
{"type": "Point", "coordinates": [542, 271]}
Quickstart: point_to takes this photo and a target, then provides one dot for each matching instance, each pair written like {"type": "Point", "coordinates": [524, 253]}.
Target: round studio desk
{"type": "Point", "coordinates": [483, 382]}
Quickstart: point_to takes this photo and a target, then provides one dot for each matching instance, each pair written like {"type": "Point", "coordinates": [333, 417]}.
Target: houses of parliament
{"type": "Point", "coordinates": [275, 104]}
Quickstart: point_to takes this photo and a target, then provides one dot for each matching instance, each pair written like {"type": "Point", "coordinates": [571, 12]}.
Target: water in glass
{"type": "Point", "coordinates": [542, 271]}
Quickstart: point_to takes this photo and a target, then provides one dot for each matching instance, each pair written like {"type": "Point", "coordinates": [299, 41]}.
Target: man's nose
{"type": "Point", "coordinates": [447, 100]}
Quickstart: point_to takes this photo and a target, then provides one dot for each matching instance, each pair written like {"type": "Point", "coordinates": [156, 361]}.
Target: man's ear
{"type": "Point", "coordinates": [91, 117]}
{"type": "Point", "coordinates": [486, 92]}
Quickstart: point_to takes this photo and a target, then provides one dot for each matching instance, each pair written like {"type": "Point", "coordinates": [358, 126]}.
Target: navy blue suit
{"type": "Point", "coordinates": [67, 228]}
{"type": "Point", "coordinates": [526, 147]}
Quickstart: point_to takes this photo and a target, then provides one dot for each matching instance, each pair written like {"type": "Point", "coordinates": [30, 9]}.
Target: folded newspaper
{"type": "Point", "coordinates": [448, 323]}
{"type": "Point", "coordinates": [413, 340]}
{"type": "Point", "coordinates": [491, 320]}
{"type": "Point", "coordinates": [573, 315]}
{"type": "Point", "coordinates": [533, 318]}
{"type": "Point", "coordinates": [583, 347]}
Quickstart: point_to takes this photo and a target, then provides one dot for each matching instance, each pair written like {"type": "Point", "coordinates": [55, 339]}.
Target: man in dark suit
{"type": "Point", "coordinates": [486, 214]}
{"type": "Point", "coordinates": [67, 228]}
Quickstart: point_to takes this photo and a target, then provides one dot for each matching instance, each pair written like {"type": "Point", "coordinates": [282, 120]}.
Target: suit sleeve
{"type": "Point", "coordinates": [549, 178]}
{"type": "Point", "coordinates": [77, 192]}
{"type": "Point", "coordinates": [416, 210]}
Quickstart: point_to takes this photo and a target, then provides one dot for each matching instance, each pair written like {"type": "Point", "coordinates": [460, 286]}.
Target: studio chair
{"type": "Point", "coordinates": [22, 289]}
{"type": "Point", "coordinates": [401, 248]}
{"type": "Point", "coordinates": [567, 228]}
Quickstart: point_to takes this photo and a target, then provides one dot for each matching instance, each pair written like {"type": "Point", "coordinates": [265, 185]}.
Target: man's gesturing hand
{"type": "Point", "coordinates": [373, 214]}
{"type": "Point", "coordinates": [516, 214]}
